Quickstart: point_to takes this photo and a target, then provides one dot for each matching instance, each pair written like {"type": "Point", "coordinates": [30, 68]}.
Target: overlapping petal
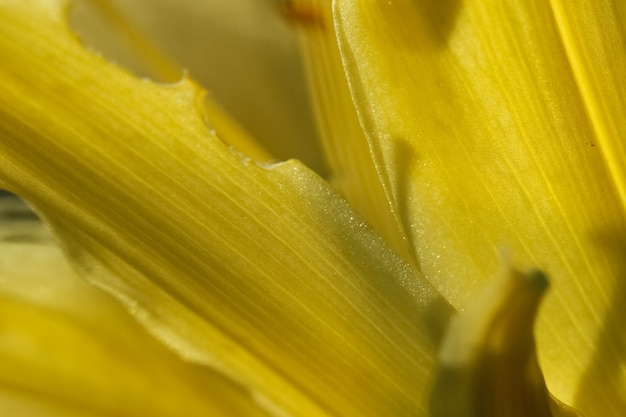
{"type": "Point", "coordinates": [243, 52]}
{"type": "Point", "coordinates": [68, 349]}
{"type": "Point", "coordinates": [483, 128]}
{"type": "Point", "coordinates": [260, 271]}
{"type": "Point", "coordinates": [343, 140]}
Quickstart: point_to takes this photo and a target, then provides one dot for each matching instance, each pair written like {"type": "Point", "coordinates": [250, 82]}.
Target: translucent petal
{"type": "Point", "coordinates": [243, 52]}
{"type": "Point", "coordinates": [598, 62]}
{"type": "Point", "coordinates": [475, 118]}
{"type": "Point", "coordinates": [69, 349]}
{"type": "Point", "coordinates": [347, 151]}
{"type": "Point", "coordinates": [107, 27]}
{"type": "Point", "coordinates": [260, 271]}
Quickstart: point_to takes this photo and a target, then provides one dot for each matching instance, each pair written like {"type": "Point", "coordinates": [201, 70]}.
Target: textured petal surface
{"type": "Point", "coordinates": [346, 148]}
{"type": "Point", "coordinates": [243, 52]}
{"type": "Point", "coordinates": [261, 271]}
{"type": "Point", "coordinates": [476, 120]}
{"type": "Point", "coordinates": [598, 63]}
{"type": "Point", "coordinates": [69, 349]}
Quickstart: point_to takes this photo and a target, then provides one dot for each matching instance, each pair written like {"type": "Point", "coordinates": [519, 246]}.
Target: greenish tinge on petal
{"type": "Point", "coordinates": [261, 272]}
{"type": "Point", "coordinates": [475, 117]}
{"type": "Point", "coordinates": [353, 172]}
{"type": "Point", "coordinates": [243, 52]}
{"type": "Point", "coordinates": [69, 349]}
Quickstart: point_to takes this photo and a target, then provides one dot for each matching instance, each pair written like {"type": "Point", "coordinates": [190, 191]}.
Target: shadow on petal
{"type": "Point", "coordinates": [602, 388]}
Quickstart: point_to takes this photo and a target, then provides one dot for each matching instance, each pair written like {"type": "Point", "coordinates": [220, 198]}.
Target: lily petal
{"type": "Point", "coordinates": [260, 271]}
{"type": "Point", "coordinates": [124, 43]}
{"type": "Point", "coordinates": [474, 117]}
{"type": "Point", "coordinates": [598, 61]}
{"type": "Point", "coordinates": [243, 52]}
{"type": "Point", "coordinates": [69, 349]}
{"type": "Point", "coordinates": [346, 148]}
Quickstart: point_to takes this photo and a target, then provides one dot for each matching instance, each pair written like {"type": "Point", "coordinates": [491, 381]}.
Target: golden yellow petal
{"type": "Point", "coordinates": [261, 271]}
{"type": "Point", "coordinates": [475, 118]}
{"type": "Point", "coordinates": [598, 63]}
{"type": "Point", "coordinates": [69, 349]}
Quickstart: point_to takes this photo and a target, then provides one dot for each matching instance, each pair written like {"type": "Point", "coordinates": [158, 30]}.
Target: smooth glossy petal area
{"type": "Point", "coordinates": [261, 271]}
{"type": "Point", "coordinates": [353, 172]}
{"type": "Point", "coordinates": [69, 349]}
{"type": "Point", "coordinates": [475, 119]}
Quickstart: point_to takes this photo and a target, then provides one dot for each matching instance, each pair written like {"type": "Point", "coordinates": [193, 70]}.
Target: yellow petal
{"type": "Point", "coordinates": [475, 120]}
{"type": "Point", "coordinates": [344, 143]}
{"type": "Point", "coordinates": [69, 349]}
{"type": "Point", "coordinates": [243, 52]}
{"type": "Point", "coordinates": [261, 271]}
{"type": "Point", "coordinates": [598, 62]}
{"type": "Point", "coordinates": [137, 52]}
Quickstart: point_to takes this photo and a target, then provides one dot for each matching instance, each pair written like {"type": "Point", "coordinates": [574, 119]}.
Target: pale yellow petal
{"type": "Point", "coordinates": [125, 43]}
{"type": "Point", "coordinates": [352, 170]}
{"type": "Point", "coordinates": [475, 118]}
{"type": "Point", "coordinates": [69, 349]}
{"type": "Point", "coordinates": [261, 271]}
{"type": "Point", "coordinates": [243, 52]}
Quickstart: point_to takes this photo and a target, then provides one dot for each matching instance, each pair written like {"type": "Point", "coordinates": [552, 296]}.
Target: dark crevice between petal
{"type": "Point", "coordinates": [18, 223]}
